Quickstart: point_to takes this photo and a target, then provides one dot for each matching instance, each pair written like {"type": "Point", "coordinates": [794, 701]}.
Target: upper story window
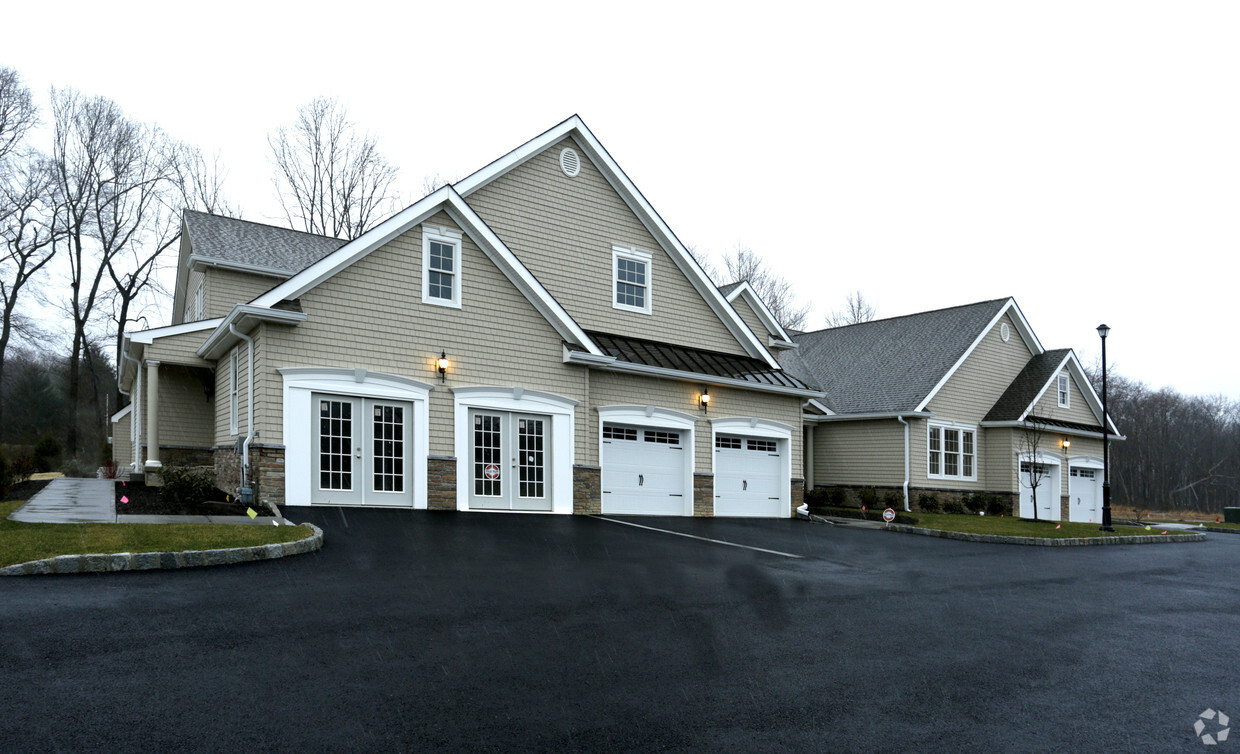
{"type": "Point", "coordinates": [631, 279]}
{"type": "Point", "coordinates": [200, 295]}
{"type": "Point", "coordinates": [951, 452]}
{"type": "Point", "coordinates": [441, 266]}
{"type": "Point", "coordinates": [234, 383]}
{"type": "Point", "coordinates": [1065, 398]}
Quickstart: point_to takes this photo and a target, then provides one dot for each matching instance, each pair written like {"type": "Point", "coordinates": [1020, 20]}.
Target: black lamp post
{"type": "Point", "coordinates": [1103, 330]}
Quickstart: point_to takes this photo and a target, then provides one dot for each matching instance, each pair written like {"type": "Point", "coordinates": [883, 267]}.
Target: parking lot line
{"type": "Point", "coordinates": [703, 539]}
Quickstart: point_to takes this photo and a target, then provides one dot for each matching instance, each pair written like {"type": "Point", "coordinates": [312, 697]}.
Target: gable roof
{"type": "Point", "coordinates": [892, 365]}
{"type": "Point", "coordinates": [576, 129]}
{"type": "Point", "coordinates": [726, 289]}
{"type": "Point", "coordinates": [253, 247]}
{"type": "Point", "coordinates": [744, 290]}
{"type": "Point", "coordinates": [1028, 386]}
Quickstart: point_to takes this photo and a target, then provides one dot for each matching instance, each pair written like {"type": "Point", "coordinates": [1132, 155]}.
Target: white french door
{"type": "Point", "coordinates": [510, 469]}
{"type": "Point", "coordinates": [362, 451]}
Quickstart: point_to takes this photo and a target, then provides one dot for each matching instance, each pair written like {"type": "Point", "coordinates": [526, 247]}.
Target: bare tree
{"type": "Point", "coordinates": [27, 234]}
{"type": "Point", "coordinates": [1033, 473]}
{"type": "Point", "coordinates": [330, 179]}
{"type": "Point", "coordinates": [743, 263]}
{"type": "Point", "coordinates": [856, 310]}
{"type": "Point", "coordinates": [704, 261]}
{"type": "Point", "coordinates": [18, 113]}
{"type": "Point", "coordinates": [432, 183]}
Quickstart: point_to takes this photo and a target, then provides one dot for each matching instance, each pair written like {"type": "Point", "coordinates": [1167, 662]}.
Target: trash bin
{"type": "Point", "coordinates": [1231, 515]}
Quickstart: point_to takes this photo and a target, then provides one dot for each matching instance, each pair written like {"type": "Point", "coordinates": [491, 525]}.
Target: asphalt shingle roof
{"type": "Point", "coordinates": [243, 242]}
{"type": "Point", "coordinates": [1025, 387]}
{"type": "Point", "coordinates": [887, 365]}
{"type": "Point", "coordinates": [726, 289]}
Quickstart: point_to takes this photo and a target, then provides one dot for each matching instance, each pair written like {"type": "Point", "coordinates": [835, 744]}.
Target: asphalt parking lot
{"type": "Point", "coordinates": [418, 631]}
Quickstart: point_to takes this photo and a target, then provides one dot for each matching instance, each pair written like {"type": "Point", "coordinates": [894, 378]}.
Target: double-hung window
{"type": "Point", "coordinates": [233, 383]}
{"type": "Point", "coordinates": [200, 295]}
{"type": "Point", "coordinates": [631, 280]}
{"type": "Point", "coordinates": [951, 452]}
{"type": "Point", "coordinates": [1064, 395]}
{"type": "Point", "coordinates": [441, 266]}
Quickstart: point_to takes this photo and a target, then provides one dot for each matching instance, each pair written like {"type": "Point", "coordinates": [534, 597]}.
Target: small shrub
{"type": "Point", "coordinates": [995, 506]}
{"type": "Point", "coordinates": [4, 473]}
{"type": "Point", "coordinates": [835, 496]}
{"type": "Point", "coordinates": [816, 498]}
{"type": "Point", "coordinates": [21, 469]}
{"type": "Point", "coordinates": [183, 484]}
{"type": "Point", "coordinates": [893, 500]}
{"type": "Point", "coordinates": [76, 467]}
{"type": "Point", "coordinates": [928, 502]}
{"type": "Point", "coordinates": [953, 506]}
{"type": "Point", "coordinates": [47, 453]}
{"type": "Point", "coordinates": [868, 496]}
{"type": "Point", "coordinates": [974, 503]}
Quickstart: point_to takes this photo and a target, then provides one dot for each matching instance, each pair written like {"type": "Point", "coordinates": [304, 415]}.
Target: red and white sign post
{"type": "Point", "coordinates": [889, 515]}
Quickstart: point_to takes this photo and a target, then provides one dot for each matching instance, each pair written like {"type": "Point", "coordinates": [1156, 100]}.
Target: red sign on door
{"type": "Point", "coordinates": [491, 471]}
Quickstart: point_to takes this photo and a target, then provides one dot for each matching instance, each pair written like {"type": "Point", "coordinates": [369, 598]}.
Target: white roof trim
{"type": "Point", "coordinates": [612, 364]}
{"type": "Point", "coordinates": [1054, 430]}
{"type": "Point", "coordinates": [593, 149]}
{"type": "Point", "coordinates": [876, 415]}
{"type": "Point", "coordinates": [821, 407]}
{"type": "Point", "coordinates": [759, 306]}
{"type": "Point", "coordinates": [244, 317]}
{"type": "Point", "coordinates": [1022, 327]}
{"type": "Point", "coordinates": [197, 260]}
{"type": "Point", "coordinates": [147, 336]}
{"type": "Point", "coordinates": [447, 199]}
{"type": "Point", "coordinates": [120, 414]}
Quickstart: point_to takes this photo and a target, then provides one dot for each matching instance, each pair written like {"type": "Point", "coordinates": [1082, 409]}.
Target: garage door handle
{"type": "Point", "coordinates": [641, 479]}
{"type": "Point", "coordinates": [744, 484]}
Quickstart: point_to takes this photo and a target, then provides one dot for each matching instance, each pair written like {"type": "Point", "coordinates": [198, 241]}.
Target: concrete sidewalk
{"type": "Point", "coordinates": [71, 501]}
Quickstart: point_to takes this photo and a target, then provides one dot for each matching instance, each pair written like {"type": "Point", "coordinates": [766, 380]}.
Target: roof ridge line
{"type": "Point", "coordinates": [904, 316]}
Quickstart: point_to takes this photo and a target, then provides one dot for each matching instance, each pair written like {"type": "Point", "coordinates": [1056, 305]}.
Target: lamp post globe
{"type": "Point", "coordinates": [1103, 331]}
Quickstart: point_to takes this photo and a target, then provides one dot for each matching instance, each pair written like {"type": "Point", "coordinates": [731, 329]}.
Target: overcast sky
{"type": "Point", "coordinates": [1081, 156]}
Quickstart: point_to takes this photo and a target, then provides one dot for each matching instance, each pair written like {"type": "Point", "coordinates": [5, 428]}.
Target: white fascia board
{"type": "Point", "coordinates": [520, 276]}
{"type": "Point", "coordinates": [877, 415]}
{"type": "Point", "coordinates": [197, 262]}
{"type": "Point", "coordinates": [147, 336]}
{"type": "Point", "coordinates": [759, 306]}
{"type": "Point", "coordinates": [1022, 327]}
{"type": "Point", "coordinates": [244, 317]}
{"type": "Point", "coordinates": [180, 287]}
{"type": "Point", "coordinates": [121, 414]}
{"type": "Point", "coordinates": [782, 345]}
{"type": "Point", "coordinates": [611, 364]}
{"type": "Point", "coordinates": [616, 177]}
{"type": "Point", "coordinates": [1054, 378]}
{"type": "Point", "coordinates": [821, 407]}
{"type": "Point", "coordinates": [1054, 430]}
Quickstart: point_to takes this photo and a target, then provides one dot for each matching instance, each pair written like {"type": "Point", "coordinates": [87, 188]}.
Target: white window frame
{"type": "Point", "coordinates": [200, 296]}
{"type": "Point", "coordinates": [447, 237]}
{"type": "Point", "coordinates": [234, 377]}
{"type": "Point", "coordinates": [943, 428]}
{"type": "Point", "coordinates": [636, 255]}
{"type": "Point", "coordinates": [1064, 391]}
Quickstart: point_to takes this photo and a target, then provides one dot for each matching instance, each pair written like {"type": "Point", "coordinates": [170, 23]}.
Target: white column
{"type": "Point", "coordinates": [807, 463]}
{"type": "Point", "coordinates": [152, 416]}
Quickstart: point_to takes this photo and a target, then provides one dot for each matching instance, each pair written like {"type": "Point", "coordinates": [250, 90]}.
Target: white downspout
{"type": "Point", "coordinates": [249, 404]}
{"type": "Point", "coordinates": [906, 464]}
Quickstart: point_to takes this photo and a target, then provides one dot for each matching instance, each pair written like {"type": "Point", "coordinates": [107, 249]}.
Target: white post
{"type": "Point", "coordinates": [152, 416]}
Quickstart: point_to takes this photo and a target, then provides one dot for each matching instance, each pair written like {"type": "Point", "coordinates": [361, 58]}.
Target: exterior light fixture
{"type": "Point", "coordinates": [1103, 331]}
{"type": "Point", "coordinates": [1066, 444]}
{"type": "Point", "coordinates": [443, 365]}
{"type": "Point", "coordinates": [704, 399]}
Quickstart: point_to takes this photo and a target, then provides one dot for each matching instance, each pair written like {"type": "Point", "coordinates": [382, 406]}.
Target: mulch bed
{"type": "Point", "coordinates": [146, 501]}
{"type": "Point", "coordinates": [25, 490]}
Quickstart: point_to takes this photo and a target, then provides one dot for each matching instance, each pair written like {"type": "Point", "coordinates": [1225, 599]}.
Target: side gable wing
{"type": "Point", "coordinates": [744, 292]}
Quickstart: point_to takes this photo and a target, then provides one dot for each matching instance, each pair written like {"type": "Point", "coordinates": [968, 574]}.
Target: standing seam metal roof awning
{"type": "Point", "coordinates": [684, 359]}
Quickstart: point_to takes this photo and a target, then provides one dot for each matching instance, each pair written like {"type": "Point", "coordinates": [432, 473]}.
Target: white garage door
{"type": "Point", "coordinates": [1040, 480]}
{"type": "Point", "coordinates": [1084, 495]}
{"type": "Point", "coordinates": [643, 470]}
{"type": "Point", "coordinates": [748, 476]}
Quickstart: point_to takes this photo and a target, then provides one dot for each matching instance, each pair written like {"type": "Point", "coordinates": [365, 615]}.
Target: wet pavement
{"type": "Point", "coordinates": [71, 501]}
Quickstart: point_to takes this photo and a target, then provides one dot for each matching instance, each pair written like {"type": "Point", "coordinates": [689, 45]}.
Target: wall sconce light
{"type": "Point", "coordinates": [704, 398]}
{"type": "Point", "coordinates": [1066, 444]}
{"type": "Point", "coordinates": [443, 365]}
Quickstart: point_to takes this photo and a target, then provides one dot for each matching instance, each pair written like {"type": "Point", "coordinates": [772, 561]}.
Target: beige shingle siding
{"type": "Point", "coordinates": [614, 389]}
{"type": "Point", "coordinates": [999, 464]}
{"type": "Point", "coordinates": [122, 444]}
{"type": "Point", "coordinates": [752, 319]}
{"type": "Point", "coordinates": [178, 349]}
{"type": "Point", "coordinates": [1078, 410]}
{"type": "Point", "coordinates": [371, 316]}
{"type": "Point", "coordinates": [191, 291]}
{"type": "Point", "coordinates": [983, 377]}
{"type": "Point", "coordinates": [222, 397]}
{"type": "Point", "coordinates": [227, 288]}
{"type": "Point", "coordinates": [185, 410]}
{"type": "Point", "coordinates": [563, 230]}
{"type": "Point", "coordinates": [859, 452]}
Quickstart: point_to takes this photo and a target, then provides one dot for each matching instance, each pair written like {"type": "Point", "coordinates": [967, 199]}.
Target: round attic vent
{"type": "Point", "coordinates": [570, 163]}
{"type": "Point", "coordinates": [1004, 332]}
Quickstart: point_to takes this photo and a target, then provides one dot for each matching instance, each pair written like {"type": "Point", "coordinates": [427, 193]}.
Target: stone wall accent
{"type": "Point", "coordinates": [266, 472]}
{"type": "Point", "coordinates": [703, 494]}
{"type": "Point", "coordinates": [227, 468]}
{"type": "Point", "coordinates": [798, 495]}
{"type": "Point", "coordinates": [185, 455]}
{"type": "Point", "coordinates": [441, 483]}
{"type": "Point", "coordinates": [587, 490]}
{"type": "Point", "coordinates": [1065, 507]}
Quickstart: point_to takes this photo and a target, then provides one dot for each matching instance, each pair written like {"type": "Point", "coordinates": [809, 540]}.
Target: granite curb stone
{"type": "Point", "coordinates": [146, 561]}
{"type": "Point", "coordinates": [1136, 539]}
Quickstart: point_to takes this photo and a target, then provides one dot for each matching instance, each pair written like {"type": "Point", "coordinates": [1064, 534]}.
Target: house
{"type": "Point", "coordinates": [531, 338]}
{"type": "Point", "coordinates": [952, 402]}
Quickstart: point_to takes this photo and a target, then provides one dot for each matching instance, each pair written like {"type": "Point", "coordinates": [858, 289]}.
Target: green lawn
{"type": "Point", "coordinates": [1007, 526]}
{"type": "Point", "coordinates": [22, 542]}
